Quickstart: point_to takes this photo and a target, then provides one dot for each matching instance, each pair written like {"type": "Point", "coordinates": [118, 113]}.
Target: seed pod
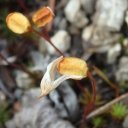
{"type": "Point", "coordinates": [17, 22]}
{"type": "Point", "coordinates": [43, 16]}
{"type": "Point", "coordinates": [73, 66]}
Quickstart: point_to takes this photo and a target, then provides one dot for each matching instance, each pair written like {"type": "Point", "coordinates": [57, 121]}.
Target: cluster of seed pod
{"type": "Point", "coordinates": [67, 67]}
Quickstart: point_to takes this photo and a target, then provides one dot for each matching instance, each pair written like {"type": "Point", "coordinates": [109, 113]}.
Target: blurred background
{"type": "Point", "coordinates": [94, 30]}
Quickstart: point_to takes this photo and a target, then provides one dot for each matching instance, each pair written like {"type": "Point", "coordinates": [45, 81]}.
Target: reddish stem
{"type": "Point", "coordinates": [81, 88]}
{"type": "Point", "coordinates": [92, 102]}
{"type": "Point", "coordinates": [46, 36]}
{"type": "Point", "coordinates": [22, 5]}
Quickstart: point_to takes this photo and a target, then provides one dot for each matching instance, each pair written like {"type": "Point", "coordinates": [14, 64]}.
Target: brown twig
{"type": "Point", "coordinates": [107, 106]}
{"type": "Point", "coordinates": [20, 67]}
{"type": "Point", "coordinates": [22, 5]}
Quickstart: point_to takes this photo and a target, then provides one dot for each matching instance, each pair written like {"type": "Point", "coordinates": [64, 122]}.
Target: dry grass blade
{"type": "Point", "coordinates": [107, 106]}
{"type": "Point", "coordinates": [105, 78]}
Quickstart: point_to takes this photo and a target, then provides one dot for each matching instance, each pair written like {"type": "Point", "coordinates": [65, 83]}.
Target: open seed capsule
{"type": "Point", "coordinates": [43, 16]}
{"type": "Point", "coordinates": [73, 66]}
{"type": "Point", "coordinates": [18, 23]}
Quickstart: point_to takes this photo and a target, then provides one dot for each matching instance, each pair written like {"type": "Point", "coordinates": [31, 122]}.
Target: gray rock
{"type": "Point", "coordinates": [122, 72]}
{"type": "Point", "coordinates": [63, 24]}
{"type": "Point", "coordinates": [113, 53]}
{"type": "Point", "coordinates": [23, 79]}
{"type": "Point", "coordinates": [36, 113]}
{"type": "Point", "coordinates": [80, 20]}
{"type": "Point", "coordinates": [3, 44]}
{"type": "Point", "coordinates": [42, 45]}
{"type": "Point", "coordinates": [88, 5]}
{"type": "Point", "coordinates": [40, 61]}
{"type": "Point", "coordinates": [69, 107]}
{"type": "Point", "coordinates": [126, 17]}
{"type": "Point", "coordinates": [125, 122]}
{"type": "Point", "coordinates": [61, 40]}
{"type": "Point", "coordinates": [60, 23]}
{"type": "Point", "coordinates": [73, 30]}
{"type": "Point", "coordinates": [70, 101]}
{"type": "Point", "coordinates": [110, 14]}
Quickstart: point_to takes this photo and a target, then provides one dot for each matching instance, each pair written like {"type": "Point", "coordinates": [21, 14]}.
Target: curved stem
{"type": "Point", "coordinates": [45, 35]}
{"type": "Point", "coordinates": [91, 104]}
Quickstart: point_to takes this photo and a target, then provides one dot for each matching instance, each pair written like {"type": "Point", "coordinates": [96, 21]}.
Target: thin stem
{"type": "Point", "coordinates": [91, 104]}
{"type": "Point", "coordinates": [45, 35]}
{"type": "Point", "coordinates": [106, 79]}
{"type": "Point", "coordinates": [81, 88]}
{"type": "Point", "coordinates": [22, 5]}
{"type": "Point", "coordinates": [105, 107]}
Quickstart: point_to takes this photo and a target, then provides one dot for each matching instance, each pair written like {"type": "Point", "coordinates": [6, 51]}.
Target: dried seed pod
{"type": "Point", "coordinates": [43, 16]}
{"type": "Point", "coordinates": [18, 23]}
{"type": "Point", "coordinates": [49, 83]}
{"type": "Point", "coordinates": [73, 66]}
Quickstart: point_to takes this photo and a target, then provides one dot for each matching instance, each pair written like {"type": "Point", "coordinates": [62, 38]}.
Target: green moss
{"type": "Point", "coordinates": [98, 122]}
{"type": "Point", "coordinates": [4, 114]}
{"type": "Point", "coordinates": [119, 111]}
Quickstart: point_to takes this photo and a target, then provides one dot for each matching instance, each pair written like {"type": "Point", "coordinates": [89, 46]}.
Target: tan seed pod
{"type": "Point", "coordinates": [18, 23]}
{"type": "Point", "coordinates": [43, 16]}
{"type": "Point", "coordinates": [73, 66]}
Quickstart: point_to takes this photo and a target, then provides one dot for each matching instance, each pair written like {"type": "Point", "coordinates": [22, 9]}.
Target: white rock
{"type": "Point", "coordinates": [126, 18]}
{"type": "Point", "coordinates": [72, 9]}
{"type": "Point", "coordinates": [74, 14]}
{"type": "Point", "coordinates": [61, 40]}
{"type": "Point", "coordinates": [23, 80]}
{"type": "Point", "coordinates": [87, 33]}
{"type": "Point", "coordinates": [125, 122]}
{"type": "Point", "coordinates": [97, 39]}
{"type": "Point", "coordinates": [113, 53]}
{"type": "Point", "coordinates": [42, 45]}
{"type": "Point", "coordinates": [110, 14]}
{"type": "Point", "coordinates": [80, 20]}
{"type": "Point", "coordinates": [88, 5]}
{"type": "Point", "coordinates": [125, 45]}
{"type": "Point", "coordinates": [122, 72]}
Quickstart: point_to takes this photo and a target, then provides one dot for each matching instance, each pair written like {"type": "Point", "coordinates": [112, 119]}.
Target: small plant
{"type": "Point", "coordinates": [87, 96]}
{"type": "Point", "coordinates": [68, 67]}
{"type": "Point", "coordinates": [119, 111]}
{"type": "Point", "coordinates": [98, 122]}
{"type": "Point", "coordinates": [4, 114]}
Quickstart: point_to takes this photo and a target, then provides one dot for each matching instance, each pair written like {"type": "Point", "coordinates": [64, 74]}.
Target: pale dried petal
{"type": "Point", "coordinates": [65, 77]}
{"type": "Point", "coordinates": [48, 83]}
